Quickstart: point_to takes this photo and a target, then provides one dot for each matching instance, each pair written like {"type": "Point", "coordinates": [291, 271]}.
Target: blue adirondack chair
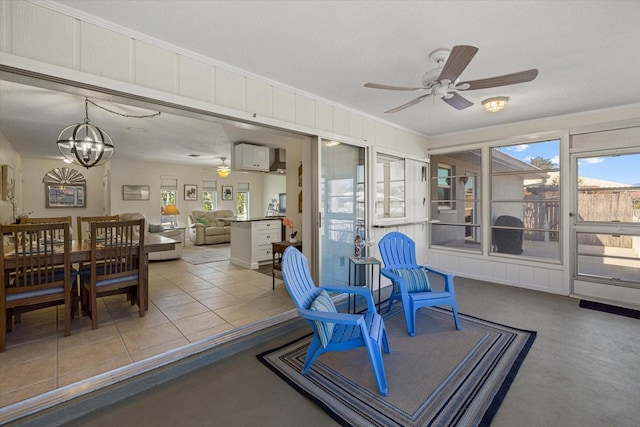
{"type": "Point", "coordinates": [410, 281]}
{"type": "Point", "coordinates": [333, 331]}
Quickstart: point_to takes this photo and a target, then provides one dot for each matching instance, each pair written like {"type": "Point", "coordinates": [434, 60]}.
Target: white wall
{"type": "Point", "coordinates": [273, 185]}
{"type": "Point", "coordinates": [33, 198]}
{"type": "Point", "coordinates": [126, 172]}
{"type": "Point", "coordinates": [9, 156]}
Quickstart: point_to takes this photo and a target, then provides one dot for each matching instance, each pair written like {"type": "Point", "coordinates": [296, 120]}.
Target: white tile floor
{"type": "Point", "coordinates": [186, 303]}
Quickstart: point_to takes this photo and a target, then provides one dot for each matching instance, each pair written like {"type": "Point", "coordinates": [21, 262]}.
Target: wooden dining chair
{"type": "Point", "coordinates": [36, 272]}
{"type": "Point", "coordinates": [116, 267]}
{"type": "Point", "coordinates": [57, 235]}
{"type": "Point", "coordinates": [83, 224]}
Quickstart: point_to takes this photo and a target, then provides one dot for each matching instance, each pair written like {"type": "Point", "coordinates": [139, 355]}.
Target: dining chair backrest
{"type": "Point", "coordinates": [116, 266]}
{"type": "Point", "coordinates": [40, 274]}
{"type": "Point", "coordinates": [30, 220]}
{"type": "Point", "coordinates": [48, 220]}
{"type": "Point", "coordinates": [83, 224]}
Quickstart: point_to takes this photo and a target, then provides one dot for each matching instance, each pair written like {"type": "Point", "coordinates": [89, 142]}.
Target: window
{"type": "Point", "coordinates": [445, 189]}
{"type": "Point", "coordinates": [243, 200]}
{"type": "Point", "coordinates": [456, 200]}
{"type": "Point", "coordinates": [525, 199]}
{"type": "Point", "coordinates": [390, 186]}
{"type": "Point", "coordinates": [168, 191]}
{"type": "Point", "coordinates": [209, 194]}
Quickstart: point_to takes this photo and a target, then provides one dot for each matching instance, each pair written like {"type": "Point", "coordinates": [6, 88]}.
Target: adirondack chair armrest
{"type": "Point", "coordinates": [448, 278]}
{"type": "Point", "coordinates": [388, 273]}
{"type": "Point", "coordinates": [321, 316]}
{"type": "Point", "coordinates": [358, 290]}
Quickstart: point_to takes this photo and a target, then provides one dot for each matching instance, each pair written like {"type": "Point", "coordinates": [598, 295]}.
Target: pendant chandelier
{"type": "Point", "coordinates": [84, 143]}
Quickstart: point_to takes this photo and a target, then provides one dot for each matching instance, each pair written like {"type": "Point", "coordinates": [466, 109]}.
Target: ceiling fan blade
{"type": "Point", "coordinates": [387, 87]}
{"type": "Point", "coordinates": [457, 101]}
{"type": "Point", "coordinates": [507, 79]}
{"type": "Point", "coordinates": [458, 60]}
{"type": "Point", "coordinates": [409, 104]}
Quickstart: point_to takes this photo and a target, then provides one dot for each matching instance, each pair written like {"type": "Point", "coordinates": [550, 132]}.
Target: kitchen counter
{"type": "Point", "coordinates": [251, 240]}
{"type": "Point", "coordinates": [263, 218]}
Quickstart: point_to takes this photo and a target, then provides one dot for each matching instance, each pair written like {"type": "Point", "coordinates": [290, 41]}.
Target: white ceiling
{"type": "Point", "coordinates": [586, 54]}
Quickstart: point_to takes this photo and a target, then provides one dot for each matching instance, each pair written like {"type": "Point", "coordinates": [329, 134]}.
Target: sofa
{"type": "Point", "coordinates": [210, 227]}
{"type": "Point", "coordinates": [153, 228]}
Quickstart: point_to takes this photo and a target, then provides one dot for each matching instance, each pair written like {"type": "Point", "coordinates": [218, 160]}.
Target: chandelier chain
{"type": "Point", "coordinates": [119, 114]}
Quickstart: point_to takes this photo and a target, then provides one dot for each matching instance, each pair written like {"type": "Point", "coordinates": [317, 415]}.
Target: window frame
{"type": "Point", "coordinates": [387, 183]}
{"type": "Point", "coordinates": [168, 195]}
{"type": "Point", "coordinates": [209, 194]}
{"type": "Point", "coordinates": [446, 204]}
{"type": "Point", "coordinates": [495, 200]}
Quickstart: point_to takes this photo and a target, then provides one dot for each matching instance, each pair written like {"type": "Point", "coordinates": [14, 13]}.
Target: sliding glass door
{"type": "Point", "coordinates": [342, 208]}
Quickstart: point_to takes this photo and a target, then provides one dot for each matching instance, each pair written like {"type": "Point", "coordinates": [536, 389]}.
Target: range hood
{"type": "Point", "coordinates": [279, 165]}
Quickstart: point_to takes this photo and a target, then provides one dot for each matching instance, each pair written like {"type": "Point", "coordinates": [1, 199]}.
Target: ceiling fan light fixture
{"type": "Point", "coordinates": [495, 104]}
{"type": "Point", "coordinates": [223, 170]}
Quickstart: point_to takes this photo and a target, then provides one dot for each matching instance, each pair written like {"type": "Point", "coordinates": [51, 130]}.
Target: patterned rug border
{"type": "Point", "coordinates": [489, 413]}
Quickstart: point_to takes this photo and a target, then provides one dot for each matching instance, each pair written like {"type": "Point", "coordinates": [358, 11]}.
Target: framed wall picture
{"type": "Point", "coordinates": [65, 196]}
{"type": "Point", "coordinates": [227, 192]}
{"type": "Point", "coordinates": [135, 192]}
{"type": "Point", "coordinates": [190, 192]}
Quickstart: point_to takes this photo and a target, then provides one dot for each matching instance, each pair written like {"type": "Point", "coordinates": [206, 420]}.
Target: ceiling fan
{"type": "Point", "coordinates": [223, 170]}
{"type": "Point", "coordinates": [443, 81]}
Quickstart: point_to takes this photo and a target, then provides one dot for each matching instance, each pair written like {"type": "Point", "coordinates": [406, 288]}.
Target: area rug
{"type": "Point", "coordinates": [607, 308]}
{"type": "Point", "coordinates": [206, 253]}
{"type": "Point", "coordinates": [440, 377]}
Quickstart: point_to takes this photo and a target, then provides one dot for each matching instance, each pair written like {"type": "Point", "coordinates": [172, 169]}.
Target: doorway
{"type": "Point", "coordinates": [606, 226]}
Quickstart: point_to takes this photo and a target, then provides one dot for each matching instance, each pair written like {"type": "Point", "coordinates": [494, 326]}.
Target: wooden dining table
{"type": "Point", "coordinates": [81, 253]}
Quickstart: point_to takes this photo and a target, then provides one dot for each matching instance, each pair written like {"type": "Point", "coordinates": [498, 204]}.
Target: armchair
{"type": "Point", "coordinates": [410, 281]}
{"type": "Point", "coordinates": [333, 331]}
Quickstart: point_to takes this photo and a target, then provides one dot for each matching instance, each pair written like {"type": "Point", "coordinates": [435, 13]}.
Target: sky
{"type": "Point", "coordinates": [623, 169]}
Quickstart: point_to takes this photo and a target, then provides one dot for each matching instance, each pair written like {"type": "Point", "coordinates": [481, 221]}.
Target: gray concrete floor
{"type": "Point", "coordinates": [583, 370]}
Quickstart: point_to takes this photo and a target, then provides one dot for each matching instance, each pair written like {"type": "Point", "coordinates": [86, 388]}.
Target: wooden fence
{"type": "Point", "coordinates": [542, 211]}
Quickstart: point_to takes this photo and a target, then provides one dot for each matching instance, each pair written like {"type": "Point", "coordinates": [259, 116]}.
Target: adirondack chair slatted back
{"type": "Point", "coordinates": [297, 278]}
{"type": "Point", "coordinates": [412, 287]}
{"type": "Point", "coordinates": [398, 251]}
{"type": "Point", "coordinates": [333, 331]}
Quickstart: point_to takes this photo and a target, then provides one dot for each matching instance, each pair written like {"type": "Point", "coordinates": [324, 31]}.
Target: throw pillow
{"type": "Point", "coordinates": [204, 221]}
{"type": "Point", "coordinates": [220, 222]}
{"type": "Point", "coordinates": [156, 228]}
{"type": "Point", "coordinates": [323, 303]}
{"type": "Point", "coordinates": [415, 278]}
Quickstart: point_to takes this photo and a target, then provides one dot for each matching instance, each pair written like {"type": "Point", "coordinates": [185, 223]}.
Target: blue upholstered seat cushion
{"type": "Point", "coordinates": [415, 278]}
{"type": "Point", "coordinates": [323, 303]}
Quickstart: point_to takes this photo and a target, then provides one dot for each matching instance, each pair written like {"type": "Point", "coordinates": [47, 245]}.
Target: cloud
{"type": "Point", "coordinates": [591, 160]}
{"type": "Point", "coordinates": [555, 160]}
{"type": "Point", "coordinates": [521, 147]}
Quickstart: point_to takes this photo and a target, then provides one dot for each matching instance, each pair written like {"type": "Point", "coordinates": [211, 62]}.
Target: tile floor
{"type": "Point", "coordinates": [186, 303]}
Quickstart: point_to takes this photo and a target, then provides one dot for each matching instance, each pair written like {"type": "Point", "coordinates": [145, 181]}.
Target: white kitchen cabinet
{"type": "Point", "coordinates": [251, 241]}
{"type": "Point", "coordinates": [251, 157]}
